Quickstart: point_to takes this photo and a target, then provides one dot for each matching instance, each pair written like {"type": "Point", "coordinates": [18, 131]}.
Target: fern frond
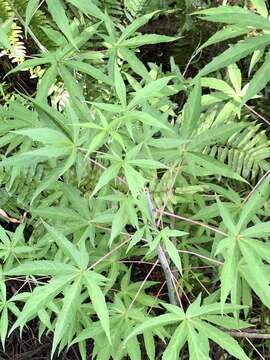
{"type": "Point", "coordinates": [247, 152]}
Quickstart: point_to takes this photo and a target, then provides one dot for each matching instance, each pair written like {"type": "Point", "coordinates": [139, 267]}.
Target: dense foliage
{"type": "Point", "coordinates": [135, 187]}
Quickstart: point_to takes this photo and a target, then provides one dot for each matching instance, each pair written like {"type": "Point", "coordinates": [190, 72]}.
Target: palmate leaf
{"type": "Point", "coordinates": [190, 328]}
{"type": "Point", "coordinates": [81, 260]}
{"type": "Point", "coordinates": [40, 298]}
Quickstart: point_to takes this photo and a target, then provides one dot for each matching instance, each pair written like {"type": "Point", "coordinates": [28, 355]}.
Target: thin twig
{"type": "Point", "coordinates": [201, 256]}
{"type": "Point", "coordinates": [249, 335]}
{"type": "Point", "coordinates": [109, 253]}
{"type": "Point", "coordinates": [257, 114]}
{"type": "Point", "coordinates": [199, 223]}
{"type": "Point", "coordinates": [257, 185]}
{"type": "Point", "coordinates": [142, 285]}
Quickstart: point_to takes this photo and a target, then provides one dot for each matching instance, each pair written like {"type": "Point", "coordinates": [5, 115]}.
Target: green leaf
{"type": "Point", "coordinates": [261, 7]}
{"type": "Point", "coordinates": [226, 217]}
{"type": "Point", "coordinates": [215, 134]}
{"type": "Point", "coordinates": [89, 70]}
{"type": "Point", "coordinates": [109, 174]}
{"type": "Point", "coordinates": [65, 245]}
{"type": "Point", "coordinates": [136, 65]}
{"type": "Point", "coordinates": [176, 343]}
{"type": "Point", "coordinates": [195, 345]}
{"type": "Point", "coordinates": [149, 91]}
{"type": "Point", "coordinates": [40, 298]}
{"type": "Point", "coordinates": [214, 166]}
{"type": "Point", "coordinates": [259, 80]}
{"type": "Point", "coordinates": [4, 325]}
{"type": "Point", "coordinates": [135, 25]}
{"type": "Point", "coordinates": [41, 267]}
{"type": "Point", "coordinates": [235, 15]}
{"type": "Point", "coordinates": [236, 53]}
{"type": "Point", "coordinates": [147, 164]}
{"type": "Point", "coordinates": [29, 64]}
{"type": "Point", "coordinates": [258, 231]}
{"type": "Point", "coordinates": [99, 303]}
{"type": "Point", "coordinates": [67, 313]}
{"type": "Point", "coordinates": [235, 77]}
{"type": "Point", "coordinates": [228, 272]}
{"type": "Point", "coordinates": [228, 32]}
{"type": "Point", "coordinates": [145, 39]}
{"type": "Point", "coordinates": [135, 180]}
{"type": "Point", "coordinates": [173, 254]}
{"type": "Point", "coordinates": [259, 286]}
{"type": "Point", "coordinates": [149, 344]}
{"type": "Point", "coordinates": [120, 86]}
{"type": "Point", "coordinates": [97, 141]}
{"type": "Point", "coordinates": [54, 175]}
{"type": "Point", "coordinates": [136, 237]}
{"type": "Point", "coordinates": [133, 349]}
{"type": "Point", "coordinates": [253, 204]}
{"type": "Point", "coordinates": [88, 8]}
{"type": "Point", "coordinates": [4, 40]}
{"type": "Point", "coordinates": [119, 221]}
{"type": "Point", "coordinates": [46, 136]}
{"type": "Point", "coordinates": [256, 266]}
{"type": "Point", "coordinates": [31, 8]}
{"type": "Point", "coordinates": [227, 322]}
{"type": "Point", "coordinates": [153, 323]}
{"type": "Point", "coordinates": [57, 11]}
{"type": "Point", "coordinates": [47, 80]}
{"type": "Point", "coordinates": [192, 112]}
{"type": "Point", "coordinates": [147, 119]}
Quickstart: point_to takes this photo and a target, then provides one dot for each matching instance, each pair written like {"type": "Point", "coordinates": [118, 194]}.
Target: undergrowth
{"type": "Point", "coordinates": [134, 197]}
